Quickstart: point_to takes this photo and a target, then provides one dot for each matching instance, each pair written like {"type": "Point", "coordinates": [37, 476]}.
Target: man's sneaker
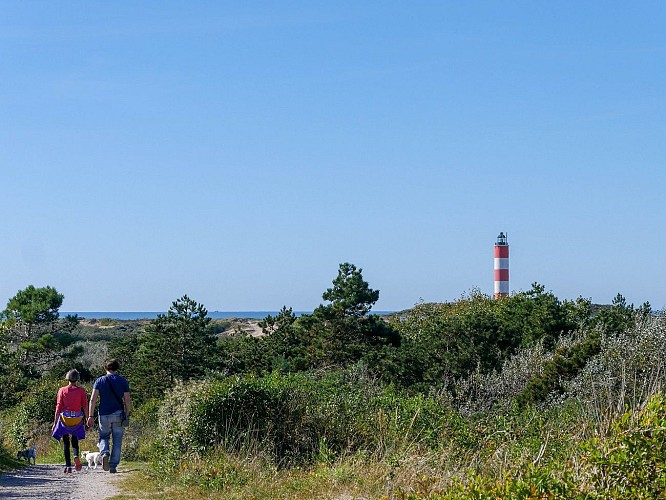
{"type": "Point", "coordinates": [68, 470]}
{"type": "Point", "coordinates": [77, 463]}
{"type": "Point", "coordinates": [113, 470]}
{"type": "Point", "coordinates": [105, 462]}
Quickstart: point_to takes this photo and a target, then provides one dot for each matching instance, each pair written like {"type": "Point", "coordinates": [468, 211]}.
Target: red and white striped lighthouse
{"type": "Point", "coordinates": [501, 267]}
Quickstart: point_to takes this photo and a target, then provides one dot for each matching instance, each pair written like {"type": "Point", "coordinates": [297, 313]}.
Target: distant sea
{"type": "Point", "coordinates": [126, 315]}
{"type": "Point", "coordinates": [129, 315]}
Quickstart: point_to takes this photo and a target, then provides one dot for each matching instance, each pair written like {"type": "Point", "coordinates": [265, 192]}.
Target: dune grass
{"type": "Point", "coordinates": [231, 477]}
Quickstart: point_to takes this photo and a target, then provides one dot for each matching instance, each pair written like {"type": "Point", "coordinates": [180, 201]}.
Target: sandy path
{"type": "Point", "coordinates": [49, 482]}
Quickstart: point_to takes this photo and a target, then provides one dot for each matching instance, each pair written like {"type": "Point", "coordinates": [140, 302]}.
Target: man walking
{"type": "Point", "coordinates": [114, 404]}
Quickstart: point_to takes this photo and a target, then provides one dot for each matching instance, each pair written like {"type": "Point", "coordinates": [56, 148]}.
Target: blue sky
{"type": "Point", "coordinates": [238, 152]}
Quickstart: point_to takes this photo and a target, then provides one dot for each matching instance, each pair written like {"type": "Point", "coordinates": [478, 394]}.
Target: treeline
{"type": "Point", "coordinates": [446, 381]}
{"type": "Point", "coordinates": [423, 349]}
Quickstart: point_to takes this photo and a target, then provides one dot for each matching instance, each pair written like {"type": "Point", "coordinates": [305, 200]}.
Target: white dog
{"type": "Point", "coordinates": [30, 455]}
{"type": "Point", "coordinates": [94, 458]}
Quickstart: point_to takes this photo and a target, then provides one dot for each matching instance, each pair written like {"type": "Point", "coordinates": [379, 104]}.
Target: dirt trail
{"type": "Point", "coordinates": [49, 482]}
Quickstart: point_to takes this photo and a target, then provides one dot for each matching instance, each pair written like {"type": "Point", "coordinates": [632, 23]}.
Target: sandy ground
{"type": "Point", "coordinates": [248, 326]}
{"type": "Point", "coordinates": [49, 482]}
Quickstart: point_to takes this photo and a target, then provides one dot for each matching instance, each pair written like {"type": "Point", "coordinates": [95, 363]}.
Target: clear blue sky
{"type": "Point", "coordinates": [238, 152]}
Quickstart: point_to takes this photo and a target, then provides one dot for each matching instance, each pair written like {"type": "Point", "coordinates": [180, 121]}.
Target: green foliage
{"type": "Point", "coordinates": [282, 348]}
{"type": "Point", "coordinates": [295, 418]}
{"type": "Point", "coordinates": [341, 332]}
{"type": "Point", "coordinates": [285, 342]}
{"type": "Point", "coordinates": [444, 343]}
{"type": "Point", "coordinates": [619, 317]}
{"type": "Point", "coordinates": [96, 330]}
{"type": "Point", "coordinates": [34, 332]}
{"type": "Point", "coordinates": [564, 365]}
{"type": "Point", "coordinates": [335, 336]}
{"type": "Point", "coordinates": [498, 394]}
{"type": "Point", "coordinates": [12, 379]}
{"type": "Point", "coordinates": [628, 370]}
{"type": "Point", "coordinates": [533, 483]}
{"type": "Point", "coordinates": [177, 346]}
{"type": "Point", "coordinates": [631, 461]}
{"type": "Point", "coordinates": [538, 315]}
{"type": "Point", "coordinates": [33, 415]}
{"type": "Point", "coordinates": [350, 296]}
{"type": "Point", "coordinates": [34, 306]}
{"type": "Point", "coordinates": [432, 346]}
{"type": "Point", "coordinates": [124, 349]}
{"type": "Point", "coordinates": [7, 459]}
{"type": "Point", "coordinates": [285, 345]}
{"type": "Point", "coordinates": [59, 369]}
{"type": "Point", "coordinates": [140, 438]}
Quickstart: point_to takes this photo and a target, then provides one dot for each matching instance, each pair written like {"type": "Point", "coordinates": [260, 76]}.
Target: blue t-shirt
{"type": "Point", "coordinates": [108, 403]}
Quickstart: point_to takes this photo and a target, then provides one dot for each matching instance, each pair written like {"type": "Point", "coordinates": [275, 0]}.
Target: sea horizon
{"type": "Point", "coordinates": [134, 315]}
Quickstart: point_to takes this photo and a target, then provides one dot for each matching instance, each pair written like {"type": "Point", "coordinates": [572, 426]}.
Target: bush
{"type": "Point", "coordinates": [33, 416]}
{"type": "Point", "coordinates": [627, 371]}
{"type": "Point", "coordinates": [140, 436]}
{"type": "Point", "coordinates": [566, 363]}
{"type": "Point", "coordinates": [631, 461]}
{"type": "Point", "coordinates": [292, 419]}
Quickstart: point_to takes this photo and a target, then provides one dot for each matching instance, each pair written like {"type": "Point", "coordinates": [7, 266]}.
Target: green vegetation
{"type": "Point", "coordinates": [32, 337]}
{"type": "Point", "coordinates": [179, 345]}
{"type": "Point", "coordinates": [7, 460]}
{"type": "Point", "coordinates": [523, 397]}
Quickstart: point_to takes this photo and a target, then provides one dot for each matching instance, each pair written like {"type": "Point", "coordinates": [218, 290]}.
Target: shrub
{"type": "Point", "coordinates": [140, 437]}
{"type": "Point", "coordinates": [626, 372]}
{"type": "Point", "coordinates": [33, 415]}
{"type": "Point", "coordinates": [566, 363]}
{"type": "Point", "coordinates": [631, 461]}
{"type": "Point", "coordinates": [481, 392]}
{"type": "Point", "coordinates": [297, 418]}
{"type": "Point", "coordinates": [238, 413]}
{"type": "Point", "coordinates": [628, 462]}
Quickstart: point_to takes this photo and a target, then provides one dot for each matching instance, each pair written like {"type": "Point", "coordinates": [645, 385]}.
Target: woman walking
{"type": "Point", "coordinates": [71, 413]}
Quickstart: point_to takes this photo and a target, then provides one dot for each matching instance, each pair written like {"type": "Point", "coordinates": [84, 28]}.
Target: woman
{"type": "Point", "coordinates": [71, 413]}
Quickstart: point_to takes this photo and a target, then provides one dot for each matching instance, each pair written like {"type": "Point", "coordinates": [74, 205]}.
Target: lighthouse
{"type": "Point", "coordinates": [501, 267]}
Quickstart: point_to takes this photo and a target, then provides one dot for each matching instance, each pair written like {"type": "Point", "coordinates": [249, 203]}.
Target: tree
{"type": "Point", "coordinates": [619, 317]}
{"type": "Point", "coordinates": [125, 349]}
{"type": "Point", "coordinates": [179, 345]}
{"type": "Point", "coordinates": [341, 332]}
{"type": "Point", "coordinates": [12, 381]}
{"type": "Point", "coordinates": [33, 330]}
{"type": "Point", "coordinates": [351, 295]}
{"type": "Point", "coordinates": [284, 343]}
{"type": "Point", "coordinates": [279, 324]}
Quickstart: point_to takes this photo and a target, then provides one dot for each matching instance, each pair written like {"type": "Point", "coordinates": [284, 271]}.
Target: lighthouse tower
{"type": "Point", "coordinates": [501, 267]}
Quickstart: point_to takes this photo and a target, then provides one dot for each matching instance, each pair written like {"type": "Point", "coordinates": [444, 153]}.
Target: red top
{"type": "Point", "coordinates": [72, 398]}
{"type": "Point", "coordinates": [501, 251]}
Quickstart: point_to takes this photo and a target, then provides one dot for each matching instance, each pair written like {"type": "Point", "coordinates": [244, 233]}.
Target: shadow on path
{"type": "Point", "coordinates": [49, 482]}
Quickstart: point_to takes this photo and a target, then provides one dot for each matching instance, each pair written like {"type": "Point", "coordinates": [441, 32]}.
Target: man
{"type": "Point", "coordinates": [114, 399]}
